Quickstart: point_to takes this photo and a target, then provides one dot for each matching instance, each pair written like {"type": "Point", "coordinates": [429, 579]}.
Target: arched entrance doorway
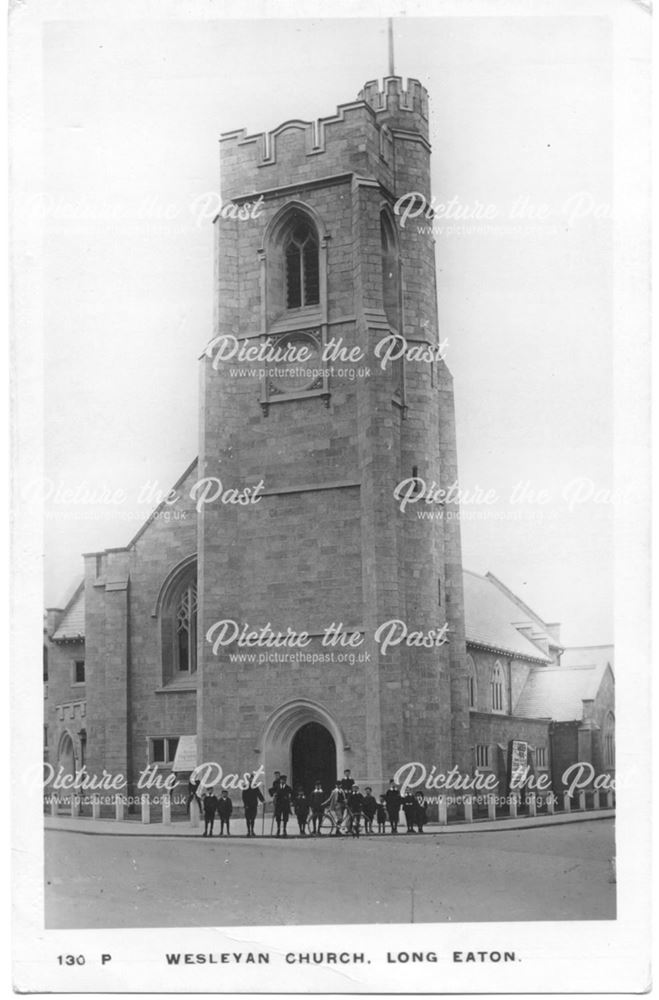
{"type": "Point", "coordinates": [313, 758]}
{"type": "Point", "coordinates": [302, 751]}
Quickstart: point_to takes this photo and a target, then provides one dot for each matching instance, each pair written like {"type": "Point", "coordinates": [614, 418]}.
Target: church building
{"type": "Point", "coordinates": [279, 608]}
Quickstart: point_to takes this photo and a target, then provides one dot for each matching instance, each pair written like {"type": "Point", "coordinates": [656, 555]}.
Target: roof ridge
{"type": "Point", "coordinates": [138, 534]}
{"type": "Point", "coordinates": [601, 645]}
{"type": "Point", "coordinates": [572, 670]}
{"type": "Point", "coordinates": [521, 604]}
{"type": "Point", "coordinates": [73, 596]}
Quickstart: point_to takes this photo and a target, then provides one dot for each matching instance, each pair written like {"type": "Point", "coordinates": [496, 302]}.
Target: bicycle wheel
{"type": "Point", "coordinates": [327, 826]}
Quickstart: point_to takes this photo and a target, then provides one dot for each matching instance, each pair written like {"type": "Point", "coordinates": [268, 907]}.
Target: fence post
{"type": "Point", "coordinates": [550, 804]}
{"type": "Point", "coordinates": [596, 799]}
{"type": "Point", "coordinates": [195, 814]}
{"type": "Point", "coordinates": [469, 809]}
{"type": "Point", "coordinates": [442, 812]}
{"type": "Point", "coordinates": [166, 810]}
{"type": "Point", "coordinates": [146, 809]}
{"type": "Point", "coordinates": [533, 805]}
{"type": "Point", "coordinates": [74, 804]}
{"type": "Point", "coordinates": [567, 805]}
{"type": "Point", "coordinates": [96, 807]}
{"type": "Point", "coordinates": [118, 807]}
{"type": "Point", "coordinates": [53, 805]}
{"type": "Point", "coordinates": [609, 799]}
{"type": "Point", "coordinates": [491, 807]}
{"type": "Point", "coordinates": [512, 805]}
{"type": "Point", "coordinates": [582, 800]}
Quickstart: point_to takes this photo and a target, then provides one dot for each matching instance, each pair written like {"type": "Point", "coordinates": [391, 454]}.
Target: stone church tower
{"type": "Point", "coordinates": [311, 253]}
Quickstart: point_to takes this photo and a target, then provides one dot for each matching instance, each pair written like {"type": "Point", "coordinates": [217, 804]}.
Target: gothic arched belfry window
{"type": "Point", "coordinates": [293, 258]}
{"type": "Point", "coordinates": [294, 306]}
{"type": "Point", "coordinates": [302, 272]}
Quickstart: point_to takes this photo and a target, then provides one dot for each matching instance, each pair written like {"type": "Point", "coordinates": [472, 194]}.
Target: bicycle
{"type": "Point", "coordinates": [331, 825]}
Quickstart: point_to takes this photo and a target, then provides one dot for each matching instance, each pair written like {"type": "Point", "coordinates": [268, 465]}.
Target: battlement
{"type": "Point", "coordinates": [392, 97]}
{"type": "Point", "coordinates": [315, 138]}
{"type": "Point", "coordinates": [378, 110]}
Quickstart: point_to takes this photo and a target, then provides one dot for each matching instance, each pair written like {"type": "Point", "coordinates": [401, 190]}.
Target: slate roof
{"type": "Point", "coordinates": [72, 625]}
{"type": "Point", "coordinates": [558, 692]}
{"type": "Point", "coordinates": [491, 619]}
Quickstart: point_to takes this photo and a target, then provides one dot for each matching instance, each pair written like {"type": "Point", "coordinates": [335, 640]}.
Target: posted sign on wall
{"type": "Point", "coordinates": [518, 756]}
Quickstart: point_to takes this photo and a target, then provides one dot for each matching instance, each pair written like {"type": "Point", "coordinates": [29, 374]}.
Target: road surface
{"type": "Point", "coordinates": [548, 873]}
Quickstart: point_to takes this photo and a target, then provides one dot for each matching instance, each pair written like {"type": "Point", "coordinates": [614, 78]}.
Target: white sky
{"type": "Point", "coordinates": [520, 108]}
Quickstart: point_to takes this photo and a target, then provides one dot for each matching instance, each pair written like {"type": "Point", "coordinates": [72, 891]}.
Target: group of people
{"type": "Point", "coordinates": [350, 809]}
{"type": "Point", "coordinates": [211, 807]}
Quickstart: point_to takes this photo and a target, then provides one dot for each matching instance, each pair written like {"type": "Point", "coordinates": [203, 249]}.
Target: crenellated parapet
{"type": "Point", "coordinates": [392, 98]}
{"type": "Point", "coordinates": [314, 134]}
{"type": "Point", "coordinates": [361, 133]}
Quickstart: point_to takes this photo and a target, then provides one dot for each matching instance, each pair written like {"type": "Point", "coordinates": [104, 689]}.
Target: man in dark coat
{"type": "Point", "coordinates": [275, 784]}
{"type": "Point", "coordinates": [393, 802]}
{"type": "Point", "coordinates": [316, 800]}
{"type": "Point", "coordinates": [224, 810]}
{"type": "Point", "coordinates": [252, 795]}
{"type": "Point", "coordinates": [370, 807]}
{"type": "Point", "coordinates": [283, 797]}
{"type": "Point", "coordinates": [210, 808]}
{"type": "Point", "coordinates": [409, 808]}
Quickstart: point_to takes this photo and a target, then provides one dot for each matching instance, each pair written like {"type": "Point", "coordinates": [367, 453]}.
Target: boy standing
{"type": "Point", "coordinates": [370, 806]}
{"type": "Point", "coordinates": [316, 801]}
{"type": "Point", "coordinates": [347, 781]}
{"type": "Point", "coordinates": [355, 809]}
{"type": "Point", "coordinates": [421, 812]}
{"type": "Point", "coordinates": [382, 815]}
{"type": "Point", "coordinates": [210, 808]}
{"type": "Point", "coordinates": [224, 810]}
{"type": "Point", "coordinates": [393, 800]}
{"type": "Point", "coordinates": [409, 808]}
{"type": "Point", "coordinates": [301, 807]}
{"type": "Point", "coordinates": [251, 797]}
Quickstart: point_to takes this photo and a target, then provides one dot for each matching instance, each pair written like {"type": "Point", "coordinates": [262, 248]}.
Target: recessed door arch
{"type": "Point", "coordinates": [279, 738]}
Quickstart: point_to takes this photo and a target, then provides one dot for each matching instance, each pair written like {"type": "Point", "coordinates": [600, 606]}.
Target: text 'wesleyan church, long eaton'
{"type": "Point", "coordinates": [131, 677]}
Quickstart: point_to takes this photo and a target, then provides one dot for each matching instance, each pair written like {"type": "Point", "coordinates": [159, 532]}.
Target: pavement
{"type": "Point", "coordinates": [558, 871]}
{"type": "Point", "coordinates": [183, 827]}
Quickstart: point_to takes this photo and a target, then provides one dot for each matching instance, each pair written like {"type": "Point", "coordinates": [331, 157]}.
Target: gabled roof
{"type": "Point", "coordinates": [72, 623]}
{"type": "Point", "coordinates": [542, 630]}
{"type": "Point", "coordinates": [559, 692]}
{"type": "Point", "coordinates": [493, 620]}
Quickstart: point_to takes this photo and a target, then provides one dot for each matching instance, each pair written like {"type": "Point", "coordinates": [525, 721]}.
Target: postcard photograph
{"type": "Point", "coordinates": [328, 478]}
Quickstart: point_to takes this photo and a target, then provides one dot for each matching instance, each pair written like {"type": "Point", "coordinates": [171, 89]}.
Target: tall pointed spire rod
{"type": "Point", "coordinates": [390, 31]}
